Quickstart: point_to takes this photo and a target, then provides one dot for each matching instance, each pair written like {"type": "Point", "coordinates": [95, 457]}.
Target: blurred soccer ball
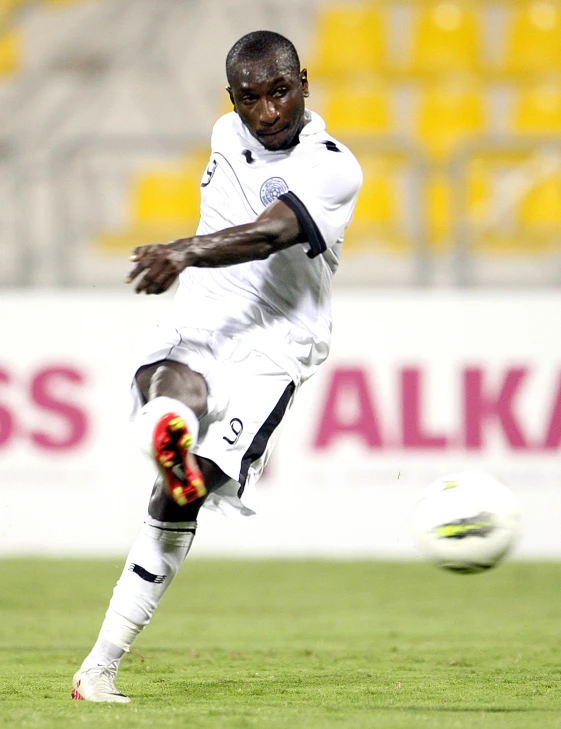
{"type": "Point", "coordinates": [466, 522]}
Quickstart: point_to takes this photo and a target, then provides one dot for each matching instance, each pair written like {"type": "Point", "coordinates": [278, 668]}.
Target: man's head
{"type": "Point", "coordinates": [268, 88]}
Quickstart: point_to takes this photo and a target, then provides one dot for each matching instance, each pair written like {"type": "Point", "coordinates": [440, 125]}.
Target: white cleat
{"type": "Point", "coordinates": [98, 684]}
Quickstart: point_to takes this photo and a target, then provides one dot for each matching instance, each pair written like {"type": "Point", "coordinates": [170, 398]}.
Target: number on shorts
{"type": "Point", "coordinates": [237, 429]}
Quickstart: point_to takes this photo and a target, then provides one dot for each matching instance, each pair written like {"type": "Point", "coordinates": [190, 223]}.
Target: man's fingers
{"type": "Point", "coordinates": [139, 252]}
{"type": "Point", "coordinates": [147, 258]}
{"type": "Point", "coordinates": [137, 270]}
{"type": "Point", "coordinates": [148, 286]}
{"type": "Point", "coordinates": [157, 272]}
{"type": "Point", "coordinates": [143, 284]}
{"type": "Point", "coordinates": [167, 282]}
{"type": "Point", "coordinates": [151, 282]}
{"type": "Point", "coordinates": [151, 285]}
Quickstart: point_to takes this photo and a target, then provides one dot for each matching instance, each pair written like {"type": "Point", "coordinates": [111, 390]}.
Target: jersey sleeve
{"type": "Point", "coordinates": [324, 197]}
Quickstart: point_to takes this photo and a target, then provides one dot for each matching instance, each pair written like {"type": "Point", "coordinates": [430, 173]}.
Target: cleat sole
{"type": "Point", "coordinates": [172, 441]}
{"type": "Point", "coordinates": [186, 441]}
{"type": "Point", "coordinates": [179, 497]}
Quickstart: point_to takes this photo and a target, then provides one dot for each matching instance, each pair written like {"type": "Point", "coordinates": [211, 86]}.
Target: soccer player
{"type": "Point", "coordinates": [249, 323]}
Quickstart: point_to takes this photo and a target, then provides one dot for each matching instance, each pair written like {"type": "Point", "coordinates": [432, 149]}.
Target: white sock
{"type": "Point", "coordinates": [154, 409]}
{"type": "Point", "coordinates": [103, 653]}
{"type": "Point", "coordinates": [153, 561]}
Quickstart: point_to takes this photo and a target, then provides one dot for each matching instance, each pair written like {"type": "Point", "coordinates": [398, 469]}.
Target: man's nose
{"type": "Point", "coordinates": [268, 113]}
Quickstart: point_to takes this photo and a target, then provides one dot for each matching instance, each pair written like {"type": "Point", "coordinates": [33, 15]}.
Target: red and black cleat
{"type": "Point", "coordinates": [172, 441]}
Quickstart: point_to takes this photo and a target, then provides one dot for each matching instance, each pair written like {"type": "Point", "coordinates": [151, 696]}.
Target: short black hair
{"type": "Point", "coordinates": [258, 45]}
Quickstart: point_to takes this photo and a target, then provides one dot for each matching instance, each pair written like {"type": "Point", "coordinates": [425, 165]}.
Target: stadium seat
{"type": "Point", "coordinates": [537, 109]}
{"type": "Point", "coordinates": [349, 38]}
{"type": "Point", "coordinates": [164, 204]}
{"type": "Point", "coordinates": [163, 196]}
{"type": "Point", "coordinates": [357, 111]}
{"type": "Point", "coordinates": [449, 113]}
{"type": "Point", "coordinates": [446, 37]}
{"type": "Point", "coordinates": [533, 37]}
{"type": "Point", "coordinates": [522, 213]}
{"type": "Point", "coordinates": [378, 200]}
{"type": "Point", "coordinates": [376, 223]}
{"type": "Point", "coordinates": [10, 52]}
{"type": "Point", "coordinates": [541, 207]}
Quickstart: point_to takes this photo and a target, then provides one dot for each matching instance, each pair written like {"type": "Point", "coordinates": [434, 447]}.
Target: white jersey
{"type": "Point", "coordinates": [284, 302]}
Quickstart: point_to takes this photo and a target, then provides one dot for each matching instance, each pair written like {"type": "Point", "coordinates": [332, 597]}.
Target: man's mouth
{"type": "Point", "coordinates": [272, 132]}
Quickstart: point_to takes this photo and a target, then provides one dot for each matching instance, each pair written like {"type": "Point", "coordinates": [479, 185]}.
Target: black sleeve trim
{"type": "Point", "coordinates": [307, 223]}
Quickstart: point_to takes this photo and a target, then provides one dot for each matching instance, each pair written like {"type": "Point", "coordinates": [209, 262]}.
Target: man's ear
{"type": "Point", "coordinates": [304, 81]}
{"type": "Point", "coordinates": [229, 90]}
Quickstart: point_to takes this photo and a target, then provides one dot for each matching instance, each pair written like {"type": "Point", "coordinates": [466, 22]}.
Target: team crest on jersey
{"type": "Point", "coordinates": [271, 189]}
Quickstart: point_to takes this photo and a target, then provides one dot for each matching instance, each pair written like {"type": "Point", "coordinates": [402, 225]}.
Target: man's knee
{"type": "Point", "coordinates": [173, 379]}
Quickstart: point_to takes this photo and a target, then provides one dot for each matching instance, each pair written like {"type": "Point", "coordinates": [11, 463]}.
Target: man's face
{"type": "Point", "coordinates": [269, 98]}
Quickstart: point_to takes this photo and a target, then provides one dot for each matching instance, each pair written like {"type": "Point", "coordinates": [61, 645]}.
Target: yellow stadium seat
{"type": "Point", "coordinates": [162, 196]}
{"type": "Point", "coordinates": [446, 37]}
{"type": "Point", "coordinates": [528, 219]}
{"type": "Point", "coordinates": [533, 37]}
{"type": "Point", "coordinates": [358, 111]}
{"type": "Point", "coordinates": [448, 114]}
{"type": "Point", "coordinates": [349, 38]}
{"type": "Point", "coordinates": [10, 52]}
{"type": "Point", "coordinates": [532, 226]}
{"type": "Point", "coordinates": [537, 109]}
{"type": "Point", "coordinates": [169, 193]}
{"type": "Point", "coordinates": [377, 219]}
{"type": "Point", "coordinates": [164, 204]}
{"type": "Point", "coordinates": [541, 207]}
{"type": "Point", "coordinates": [377, 203]}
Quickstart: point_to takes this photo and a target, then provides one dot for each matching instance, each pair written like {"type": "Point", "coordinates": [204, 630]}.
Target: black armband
{"type": "Point", "coordinates": [307, 223]}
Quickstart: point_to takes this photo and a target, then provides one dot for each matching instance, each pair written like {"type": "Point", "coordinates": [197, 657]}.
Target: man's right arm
{"type": "Point", "coordinates": [157, 266]}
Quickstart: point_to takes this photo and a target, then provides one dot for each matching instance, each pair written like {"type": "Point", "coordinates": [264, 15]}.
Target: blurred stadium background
{"type": "Point", "coordinates": [446, 349]}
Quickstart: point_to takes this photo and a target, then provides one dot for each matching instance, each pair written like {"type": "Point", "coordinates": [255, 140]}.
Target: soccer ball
{"type": "Point", "coordinates": [466, 522]}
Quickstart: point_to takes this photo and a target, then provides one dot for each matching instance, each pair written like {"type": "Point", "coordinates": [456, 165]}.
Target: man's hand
{"type": "Point", "coordinates": [158, 266]}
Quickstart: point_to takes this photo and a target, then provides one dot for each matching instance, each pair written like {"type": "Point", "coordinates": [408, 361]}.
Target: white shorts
{"type": "Point", "coordinates": [248, 397]}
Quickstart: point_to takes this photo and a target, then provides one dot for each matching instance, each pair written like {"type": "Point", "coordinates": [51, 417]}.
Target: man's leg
{"type": "Point", "coordinates": [160, 547]}
{"type": "Point", "coordinates": [175, 399]}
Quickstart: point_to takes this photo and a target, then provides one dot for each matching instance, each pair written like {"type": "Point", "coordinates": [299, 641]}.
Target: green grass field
{"type": "Point", "coordinates": [291, 644]}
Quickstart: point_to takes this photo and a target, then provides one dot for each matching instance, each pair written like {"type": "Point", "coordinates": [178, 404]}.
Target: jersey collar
{"type": "Point", "coordinates": [314, 124]}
